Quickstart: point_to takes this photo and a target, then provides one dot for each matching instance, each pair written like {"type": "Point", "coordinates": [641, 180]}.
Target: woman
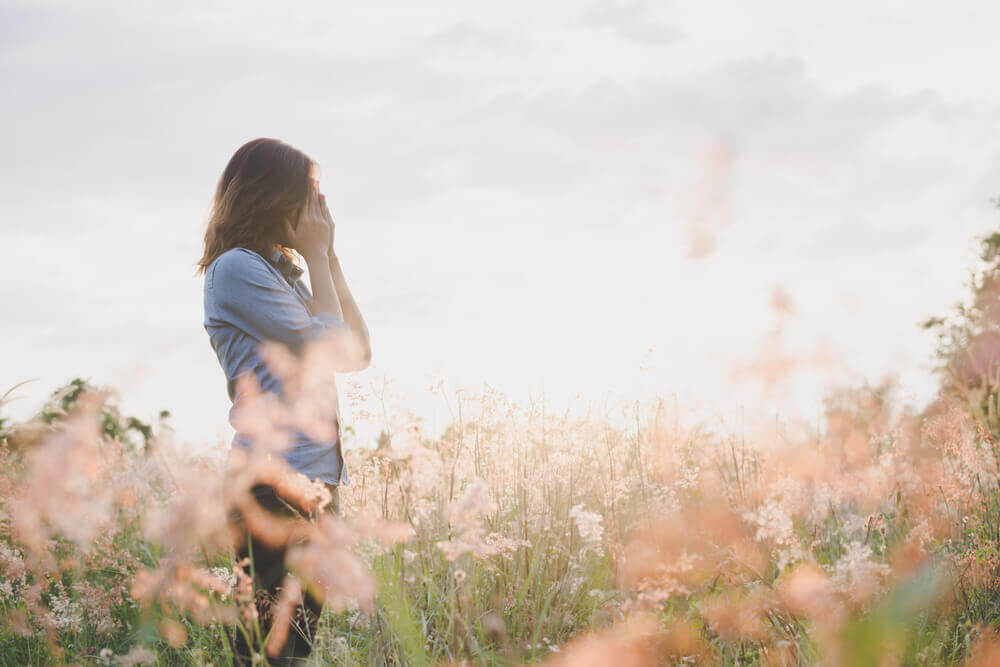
{"type": "Point", "coordinates": [268, 203]}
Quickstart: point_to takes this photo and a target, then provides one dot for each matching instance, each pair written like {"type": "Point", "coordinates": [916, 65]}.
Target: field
{"type": "Point", "coordinates": [522, 536]}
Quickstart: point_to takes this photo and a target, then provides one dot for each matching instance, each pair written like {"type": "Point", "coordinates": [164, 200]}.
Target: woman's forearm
{"type": "Point", "coordinates": [351, 312]}
{"type": "Point", "coordinates": [324, 291]}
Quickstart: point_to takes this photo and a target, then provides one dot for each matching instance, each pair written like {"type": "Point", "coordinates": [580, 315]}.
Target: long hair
{"type": "Point", "coordinates": [265, 183]}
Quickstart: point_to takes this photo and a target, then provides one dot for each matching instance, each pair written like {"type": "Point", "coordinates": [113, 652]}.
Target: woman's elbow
{"type": "Point", "coordinates": [363, 350]}
{"type": "Point", "coordinates": [359, 360]}
{"type": "Point", "coordinates": [365, 359]}
{"type": "Point", "coordinates": [357, 365]}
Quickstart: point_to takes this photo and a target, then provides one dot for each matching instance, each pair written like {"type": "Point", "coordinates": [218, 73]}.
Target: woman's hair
{"type": "Point", "coordinates": [265, 183]}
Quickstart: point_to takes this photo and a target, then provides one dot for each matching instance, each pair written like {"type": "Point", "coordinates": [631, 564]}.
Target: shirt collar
{"type": "Point", "coordinates": [286, 266]}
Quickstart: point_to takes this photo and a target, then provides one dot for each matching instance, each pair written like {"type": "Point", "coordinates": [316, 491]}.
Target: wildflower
{"type": "Point", "coordinates": [327, 566]}
{"type": "Point", "coordinates": [466, 516]}
{"type": "Point", "coordinates": [858, 575]}
{"type": "Point", "coordinates": [588, 524]}
{"type": "Point", "coordinates": [137, 655]}
{"type": "Point", "coordinates": [635, 643]}
{"type": "Point", "coordinates": [737, 616]}
{"type": "Point", "coordinates": [244, 593]}
{"type": "Point", "coordinates": [173, 632]}
{"type": "Point", "coordinates": [807, 591]}
{"type": "Point", "coordinates": [228, 577]}
{"type": "Point", "coordinates": [65, 615]}
{"type": "Point", "coordinates": [985, 650]}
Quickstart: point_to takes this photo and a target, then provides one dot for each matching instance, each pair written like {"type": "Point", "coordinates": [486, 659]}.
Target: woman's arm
{"type": "Point", "coordinates": [313, 238]}
{"type": "Point", "coordinates": [351, 313]}
{"type": "Point", "coordinates": [331, 295]}
{"type": "Point", "coordinates": [324, 292]}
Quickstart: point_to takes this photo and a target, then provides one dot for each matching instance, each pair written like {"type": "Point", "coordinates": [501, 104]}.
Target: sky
{"type": "Point", "coordinates": [590, 201]}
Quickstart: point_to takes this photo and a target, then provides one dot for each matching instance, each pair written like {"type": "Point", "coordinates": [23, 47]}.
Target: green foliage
{"type": "Point", "coordinates": [967, 350]}
{"type": "Point", "coordinates": [93, 584]}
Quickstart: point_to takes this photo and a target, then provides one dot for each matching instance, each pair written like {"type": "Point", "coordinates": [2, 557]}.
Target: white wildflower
{"type": "Point", "coordinates": [588, 524]}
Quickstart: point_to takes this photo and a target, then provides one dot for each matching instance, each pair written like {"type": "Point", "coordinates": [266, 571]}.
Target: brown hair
{"type": "Point", "coordinates": [265, 183]}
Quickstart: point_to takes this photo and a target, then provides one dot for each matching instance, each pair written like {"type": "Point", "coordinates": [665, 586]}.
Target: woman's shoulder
{"type": "Point", "coordinates": [234, 264]}
{"type": "Point", "coordinates": [239, 256]}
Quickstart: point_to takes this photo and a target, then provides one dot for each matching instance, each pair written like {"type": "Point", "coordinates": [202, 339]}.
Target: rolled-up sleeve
{"type": "Point", "coordinates": [248, 294]}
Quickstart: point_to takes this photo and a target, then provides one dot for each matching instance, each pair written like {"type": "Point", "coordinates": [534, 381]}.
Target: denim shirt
{"type": "Point", "coordinates": [249, 299]}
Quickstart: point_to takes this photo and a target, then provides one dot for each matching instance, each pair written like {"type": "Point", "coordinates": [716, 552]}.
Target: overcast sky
{"type": "Point", "coordinates": [597, 198]}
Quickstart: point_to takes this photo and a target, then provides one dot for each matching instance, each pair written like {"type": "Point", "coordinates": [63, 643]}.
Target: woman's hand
{"type": "Point", "coordinates": [312, 235]}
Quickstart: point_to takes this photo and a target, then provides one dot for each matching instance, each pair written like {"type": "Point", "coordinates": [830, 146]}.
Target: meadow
{"type": "Point", "coordinates": [527, 536]}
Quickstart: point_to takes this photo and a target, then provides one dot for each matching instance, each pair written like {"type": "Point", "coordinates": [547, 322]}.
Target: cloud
{"type": "Point", "coordinates": [633, 21]}
{"type": "Point", "coordinates": [855, 238]}
{"type": "Point", "coordinates": [113, 102]}
{"type": "Point", "coordinates": [466, 38]}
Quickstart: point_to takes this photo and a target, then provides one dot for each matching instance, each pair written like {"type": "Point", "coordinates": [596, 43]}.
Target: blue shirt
{"type": "Point", "coordinates": [249, 299]}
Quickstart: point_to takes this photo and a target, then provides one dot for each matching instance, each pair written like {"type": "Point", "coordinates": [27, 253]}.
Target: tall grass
{"type": "Point", "coordinates": [520, 535]}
